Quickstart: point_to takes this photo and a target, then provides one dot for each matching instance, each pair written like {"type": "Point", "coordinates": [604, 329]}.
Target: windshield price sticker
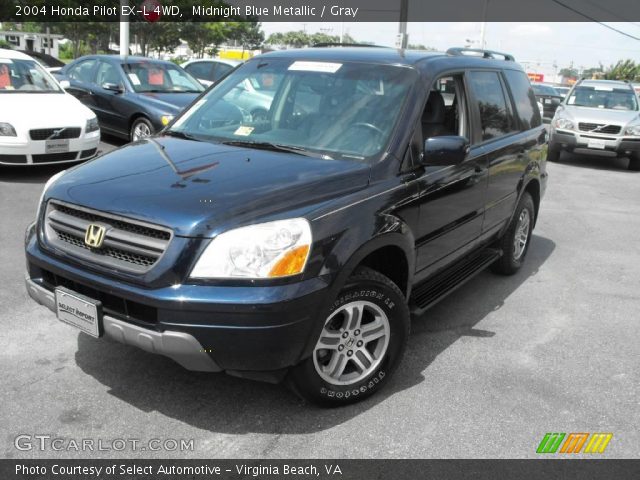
{"type": "Point", "coordinates": [134, 79]}
{"type": "Point", "coordinates": [324, 67]}
{"type": "Point", "coordinates": [243, 131]}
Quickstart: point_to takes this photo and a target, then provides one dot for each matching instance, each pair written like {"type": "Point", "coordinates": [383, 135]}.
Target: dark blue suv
{"type": "Point", "coordinates": [295, 245]}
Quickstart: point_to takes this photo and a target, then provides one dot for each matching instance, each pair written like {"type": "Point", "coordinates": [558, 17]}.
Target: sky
{"type": "Point", "coordinates": [537, 46]}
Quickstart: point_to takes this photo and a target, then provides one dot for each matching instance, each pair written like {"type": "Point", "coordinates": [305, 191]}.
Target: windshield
{"type": "Point", "coordinates": [603, 97]}
{"type": "Point", "coordinates": [328, 109]}
{"type": "Point", "coordinates": [160, 77]}
{"type": "Point", "coordinates": [544, 90]}
{"type": "Point", "coordinates": [25, 76]}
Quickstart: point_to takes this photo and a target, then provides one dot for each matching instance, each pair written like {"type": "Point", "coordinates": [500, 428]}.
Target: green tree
{"type": "Point", "coordinates": [623, 70]}
{"type": "Point", "coordinates": [246, 34]}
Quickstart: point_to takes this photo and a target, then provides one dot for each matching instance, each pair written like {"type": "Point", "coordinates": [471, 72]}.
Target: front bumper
{"type": "Point", "coordinates": [181, 347]}
{"type": "Point", "coordinates": [578, 142]}
{"type": "Point", "coordinates": [242, 330]}
{"type": "Point", "coordinates": [19, 151]}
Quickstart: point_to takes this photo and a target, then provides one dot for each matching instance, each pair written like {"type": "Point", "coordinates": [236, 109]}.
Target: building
{"type": "Point", "coordinates": [34, 42]}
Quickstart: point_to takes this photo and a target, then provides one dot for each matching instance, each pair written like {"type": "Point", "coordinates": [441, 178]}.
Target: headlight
{"type": "Point", "coordinates": [166, 119]}
{"type": "Point", "coordinates": [92, 125]}
{"type": "Point", "coordinates": [564, 123]}
{"type": "Point", "coordinates": [44, 190]}
{"type": "Point", "coordinates": [7, 130]}
{"type": "Point", "coordinates": [633, 130]}
{"type": "Point", "coordinates": [267, 250]}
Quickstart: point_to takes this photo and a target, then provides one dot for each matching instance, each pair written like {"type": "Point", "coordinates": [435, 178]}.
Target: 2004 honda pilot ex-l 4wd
{"type": "Point", "coordinates": [295, 246]}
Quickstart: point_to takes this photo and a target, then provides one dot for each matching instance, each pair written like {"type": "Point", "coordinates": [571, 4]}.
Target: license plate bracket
{"type": "Point", "coordinates": [596, 144]}
{"type": "Point", "coordinates": [59, 145]}
{"type": "Point", "coordinates": [79, 311]}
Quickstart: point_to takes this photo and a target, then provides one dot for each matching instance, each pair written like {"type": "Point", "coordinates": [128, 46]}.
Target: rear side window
{"type": "Point", "coordinates": [494, 114]}
{"type": "Point", "coordinates": [221, 70]}
{"type": "Point", "coordinates": [201, 70]}
{"type": "Point", "coordinates": [524, 98]}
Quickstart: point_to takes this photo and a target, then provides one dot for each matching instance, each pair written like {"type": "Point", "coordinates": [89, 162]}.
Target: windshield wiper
{"type": "Point", "coordinates": [179, 134]}
{"type": "Point", "coordinates": [275, 147]}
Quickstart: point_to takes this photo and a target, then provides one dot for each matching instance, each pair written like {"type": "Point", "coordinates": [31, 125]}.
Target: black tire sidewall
{"type": "Point", "coordinates": [306, 380]}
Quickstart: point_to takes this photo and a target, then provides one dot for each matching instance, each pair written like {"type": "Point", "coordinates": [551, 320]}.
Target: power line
{"type": "Point", "coordinates": [594, 20]}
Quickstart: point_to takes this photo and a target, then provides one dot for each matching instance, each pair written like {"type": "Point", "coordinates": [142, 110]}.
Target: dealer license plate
{"type": "Point", "coordinates": [79, 311]}
{"type": "Point", "coordinates": [57, 146]}
{"type": "Point", "coordinates": [593, 143]}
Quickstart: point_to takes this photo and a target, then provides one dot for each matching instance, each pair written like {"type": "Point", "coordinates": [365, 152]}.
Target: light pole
{"type": "Point", "coordinates": [124, 30]}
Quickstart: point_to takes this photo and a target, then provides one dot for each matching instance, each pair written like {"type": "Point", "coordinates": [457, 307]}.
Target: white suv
{"type": "Point", "coordinates": [598, 117]}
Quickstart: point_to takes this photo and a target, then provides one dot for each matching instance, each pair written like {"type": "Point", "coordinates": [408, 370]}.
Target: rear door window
{"type": "Point", "coordinates": [524, 99]}
{"type": "Point", "coordinates": [495, 120]}
{"type": "Point", "coordinates": [201, 70]}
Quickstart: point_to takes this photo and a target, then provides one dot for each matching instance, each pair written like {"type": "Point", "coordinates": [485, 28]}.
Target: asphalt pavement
{"type": "Point", "coordinates": [488, 371]}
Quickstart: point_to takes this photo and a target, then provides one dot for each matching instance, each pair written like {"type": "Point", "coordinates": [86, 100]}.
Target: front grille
{"type": "Point", "coordinates": [128, 245]}
{"type": "Point", "coordinates": [45, 133]}
{"type": "Point", "coordinates": [599, 128]}
{"type": "Point", "coordinates": [13, 159]}
{"type": "Point", "coordinates": [54, 157]}
{"type": "Point", "coordinates": [112, 305]}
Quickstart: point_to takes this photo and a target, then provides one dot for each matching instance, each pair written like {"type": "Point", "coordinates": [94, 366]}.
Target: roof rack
{"type": "Point", "coordinates": [338, 44]}
{"type": "Point", "coordinates": [458, 51]}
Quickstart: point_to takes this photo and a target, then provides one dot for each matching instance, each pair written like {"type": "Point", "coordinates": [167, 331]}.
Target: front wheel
{"type": "Point", "coordinates": [360, 345]}
{"type": "Point", "coordinates": [515, 241]}
{"type": "Point", "coordinates": [141, 128]}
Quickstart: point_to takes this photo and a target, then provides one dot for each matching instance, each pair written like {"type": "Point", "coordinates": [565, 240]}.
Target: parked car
{"type": "Point", "coordinates": [209, 71]}
{"type": "Point", "coordinates": [549, 98]}
{"type": "Point", "coordinates": [562, 91]}
{"type": "Point", "coordinates": [599, 117]}
{"type": "Point", "coordinates": [133, 97]}
{"type": "Point", "coordinates": [50, 63]}
{"type": "Point", "coordinates": [296, 248]}
{"type": "Point", "coordinates": [254, 95]}
{"type": "Point", "coordinates": [39, 122]}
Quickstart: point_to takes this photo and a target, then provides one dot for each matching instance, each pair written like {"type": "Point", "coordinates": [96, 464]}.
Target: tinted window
{"type": "Point", "coordinates": [544, 90]}
{"type": "Point", "coordinates": [107, 73]}
{"type": "Point", "coordinates": [221, 70]}
{"type": "Point", "coordinates": [494, 116]}
{"type": "Point", "coordinates": [524, 98]}
{"type": "Point", "coordinates": [82, 72]}
{"type": "Point", "coordinates": [201, 70]}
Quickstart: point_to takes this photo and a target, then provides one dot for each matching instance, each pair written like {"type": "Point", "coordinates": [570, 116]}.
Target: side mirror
{"type": "Point", "coordinates": [445, 150]}
{"type": "Point", "coordinates": [113, 87]}
{"type": "Point", "coordinates": [65, 84]}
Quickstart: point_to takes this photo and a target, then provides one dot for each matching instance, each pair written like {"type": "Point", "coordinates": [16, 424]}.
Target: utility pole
{"type": "Point", "coordinates": [124, 30]}
{"type": "Point", "coordinates": [402, 39]}
{"type": "Point", "coordinates": [483, 25]}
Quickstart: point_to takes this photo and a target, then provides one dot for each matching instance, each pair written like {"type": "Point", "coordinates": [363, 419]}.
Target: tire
{"type": "Point", "coordinates": [634, 162]}
{"type": "Point", "coordinates": [139, 128]}
{"type": "Point", "coordinates": [521, 226]}
{"type": "Point", "coordinates": [383, 311]}
{"type": "Point", "coordinates": [553, 153]}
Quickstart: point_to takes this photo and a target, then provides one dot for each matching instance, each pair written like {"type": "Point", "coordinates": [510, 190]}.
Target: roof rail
{"type": "Point", "coordinates": [458, 51]}
{"type": "Point", "coordinates": [338, 44]}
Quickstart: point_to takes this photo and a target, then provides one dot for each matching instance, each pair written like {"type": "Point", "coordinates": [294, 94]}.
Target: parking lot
{"type": "Point", "coordinates": [488, 371]}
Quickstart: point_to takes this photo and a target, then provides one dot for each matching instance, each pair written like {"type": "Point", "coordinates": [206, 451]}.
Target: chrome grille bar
{"type": "Point", "coordinates": [128, 245]}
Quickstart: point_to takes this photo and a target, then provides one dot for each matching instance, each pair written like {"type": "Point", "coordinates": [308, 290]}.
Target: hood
{"type": "Point", "coordinates": [200, 188]}
{"type": "Point", "coordinates": [26, 111]}
{"type": "Point", "coordinates": [168, 102]}
{"type": "Point", "coordinates": [601, 115]}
